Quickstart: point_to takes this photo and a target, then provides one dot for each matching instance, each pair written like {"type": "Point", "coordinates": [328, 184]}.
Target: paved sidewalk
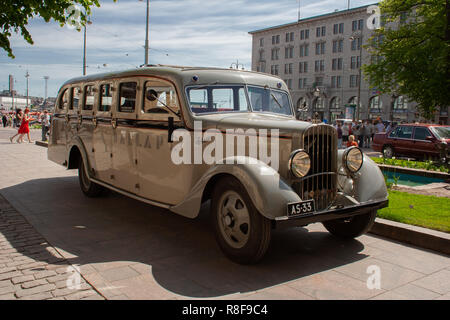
{"type": "Point", "coordinates": [30, 268]}
{"type": "Point", "coordinates": [129, 250]}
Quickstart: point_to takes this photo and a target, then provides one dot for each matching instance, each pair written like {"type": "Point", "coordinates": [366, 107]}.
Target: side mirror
{"type": "Point", "coordinates": [151, 95]}
{"type": "Point", "coordinates": [429, 138]}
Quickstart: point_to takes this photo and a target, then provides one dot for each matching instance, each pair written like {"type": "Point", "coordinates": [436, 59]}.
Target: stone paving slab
{"type": "Point", "coordinates": [28, 263]}
{"type": "Point", "coordinates": [129, 250]}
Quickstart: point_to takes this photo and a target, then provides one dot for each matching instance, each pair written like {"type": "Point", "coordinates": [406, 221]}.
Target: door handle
{"type": "Point", "coordinates": [94, 121]}
{"type": "Point", "coordinates": [114, 123]}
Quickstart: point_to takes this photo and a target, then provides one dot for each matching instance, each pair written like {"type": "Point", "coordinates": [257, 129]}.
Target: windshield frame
{"type": "Point", "coordinates": [249, 104]}
{"type": "Point", "coordinates": [218, 85]}
{"type": "Point", "coordinates": [436, 133]}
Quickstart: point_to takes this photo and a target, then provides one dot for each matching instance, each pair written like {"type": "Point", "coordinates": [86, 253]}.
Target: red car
{"type": "Point", "coordinates": [421, 141]}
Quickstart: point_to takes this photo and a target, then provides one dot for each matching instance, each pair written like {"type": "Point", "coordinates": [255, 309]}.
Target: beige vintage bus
{"type": "Point", "coordinates": [138, 132]}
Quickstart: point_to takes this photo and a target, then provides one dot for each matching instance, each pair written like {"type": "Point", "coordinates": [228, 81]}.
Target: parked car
{"type": "Point", "coordinates": [136, 132]}
{"type": "Point", "coordinates": [421, 141]}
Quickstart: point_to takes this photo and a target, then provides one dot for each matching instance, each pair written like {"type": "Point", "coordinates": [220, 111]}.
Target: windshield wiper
{"type": "Point", "coordinates": [281, 107]}
{"type": "Point", "coordinates": [165, 105]}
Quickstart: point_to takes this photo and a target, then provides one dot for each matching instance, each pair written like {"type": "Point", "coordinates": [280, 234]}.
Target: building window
{"type": "Point", "coordinates": [335, 103]}
{"type": "Point", "coordinates": [318, 103]}
{"type": "Point", "coordinates": [354, 81]}
{"type": "Point", "coordinates": [336, 82]}
{"type": "Point", "coordinates": [357, 24]}
{"type": "Point", "coordinates": [318, 81]}
{"type": "Point", "coordinates": [356, 43]}
{"type": "Point", "coordinates": [304, 50]}
{"type": "Point", "coordinates": [400, 103]}
{"type": "Point", "coordinates": [338, 28]}
{"type": "Point", "coordinates": [261, 42]}
{"type": "Point", "coordinates": [304, 34]}
{"type": "Point", "coordinates": [375, 102]}
{"type": "Point", "coordinates": [303, 67]}
{"type": "Point", "coordinates": [355, 62]}
{"type": "Point", "coordinates": [276, 39]}
{"type": "Point", "coordinates": [289, 37]}
{"type": "Point", "coordinates": [275, 54]}
{"type": "Point", "coordinates": [288, 68]}
{"type": "Point", "coordinates": [274, 70]}
{"type": "Point", "coordinates": [320, 48]}
{"type": "Point", "coordinates": [337, 64]}
{"type": "Point", "coordinates": [341, 27]}
{"type": "Point", "coordinates": [289, 52]}
{"type": "Point", "coordinates": [302, 83]}
{"type": "Point", "coordinates": [261, 55]}
{"type": "Point", "coordinates": [288, 83]}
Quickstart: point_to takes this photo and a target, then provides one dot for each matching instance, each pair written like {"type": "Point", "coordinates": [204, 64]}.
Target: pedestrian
{"type": "Point", "coordinates": [366, 135]}
{"type": "Point", "coordinates": [45, 123]}
{"type": "Point", "coordinates": [345, 133]}
{"type": "Point", "coordinates": [4, 120]}
{"type": "Point", "coordinates": [379, 127]}
{"type": "Point", "coordinates": [18, 115]}
{"type": "Point", "coordinates": [351, 141]}
{"type": "Point", "coordinates": [339, 134]}
{"type": "Point", "coordinates": [24, 126]}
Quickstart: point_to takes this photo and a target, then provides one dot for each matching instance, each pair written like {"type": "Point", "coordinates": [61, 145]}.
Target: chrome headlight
{"type": "Point", "coordinates": [353, 159]}
{"type": "Point", "coordinates": [299, 163]}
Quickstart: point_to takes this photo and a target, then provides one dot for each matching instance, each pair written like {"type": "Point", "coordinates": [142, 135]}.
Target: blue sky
{"type": "Point", "coordinates": [182, 32]}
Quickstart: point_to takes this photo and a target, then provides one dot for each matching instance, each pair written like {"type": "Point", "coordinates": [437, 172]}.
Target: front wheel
{"type": "Point", "coordinates": [89, 188]}
{"type": "Point", "coordinates": [351, 227]}
{"type": "Point", "coordinates": [242, 233]}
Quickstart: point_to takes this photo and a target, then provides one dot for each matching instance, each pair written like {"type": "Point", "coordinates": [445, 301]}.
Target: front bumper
{"type": "Point", "coordinates": [330, 214]}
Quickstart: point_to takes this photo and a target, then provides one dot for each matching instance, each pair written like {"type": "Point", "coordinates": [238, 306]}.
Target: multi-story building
{"type": "Point", "coordinates": [319, 58]}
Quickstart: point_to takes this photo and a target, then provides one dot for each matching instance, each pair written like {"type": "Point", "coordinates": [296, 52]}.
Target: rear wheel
{"type": "Point", "coordinates": [89, 188]}
{"type": "Point", "coordinates": [388, 152]}
{"type": "Point", "coordinates": [351, 227]}
{"type": "Point", "coordinates": [242, 233]}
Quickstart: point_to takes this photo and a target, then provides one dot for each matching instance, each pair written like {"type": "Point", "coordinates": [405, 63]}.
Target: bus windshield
{"type": "Point", "coordinates": [236, 98]}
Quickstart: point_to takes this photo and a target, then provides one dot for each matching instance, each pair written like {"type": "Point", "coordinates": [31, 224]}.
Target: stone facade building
{"type": "Point", "coordinates": [319, 58]}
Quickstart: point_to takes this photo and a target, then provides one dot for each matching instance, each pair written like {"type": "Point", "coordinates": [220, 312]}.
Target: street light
{"type": "Point", "coordinates": [352, 38]}
{"type": "Point", "coordinates": [27, 75]}
{"type": "Point", "coordinates": [146, 32]}
{"type": "Point", "coordinates": [84, 47]}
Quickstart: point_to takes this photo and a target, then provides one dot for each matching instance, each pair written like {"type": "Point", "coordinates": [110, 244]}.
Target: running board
{"type": "Point", "coordinates": [131, 195]}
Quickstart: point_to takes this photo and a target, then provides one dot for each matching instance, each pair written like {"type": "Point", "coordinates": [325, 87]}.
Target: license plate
{"type": "Point", "coordinates": [300, 208]}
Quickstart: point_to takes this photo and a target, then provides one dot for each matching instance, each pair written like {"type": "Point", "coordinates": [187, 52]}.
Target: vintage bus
{"type": "Point", "coordinates": [161, 135]}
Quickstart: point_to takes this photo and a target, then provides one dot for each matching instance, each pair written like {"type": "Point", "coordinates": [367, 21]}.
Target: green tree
{"type": "Point", "coordinates": [15, 14]}
{"type": "Point", "coordinates": [411, 52]}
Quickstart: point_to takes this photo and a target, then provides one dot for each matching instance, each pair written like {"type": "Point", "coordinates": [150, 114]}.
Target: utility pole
{"type": "Point", "coordinates": [359, 80]}
{"type": "Point", "coordinates": [84, 45]}
{"type": "Point", "coordinates": [146, 33]}
{"type": "Point", "coordinates": [45, 96]}
{"type": "Point", "coordinates": [27, 75]}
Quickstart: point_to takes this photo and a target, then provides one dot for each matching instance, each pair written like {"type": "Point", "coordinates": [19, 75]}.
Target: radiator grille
{"type": "Point", "coordinates": [320, 141]}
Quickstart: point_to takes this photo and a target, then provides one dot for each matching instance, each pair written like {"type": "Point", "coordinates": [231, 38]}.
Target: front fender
{"type": "Point", "coordinates": [270, 194]}
{"type": "Point", "coordinates": [368, 182]}
{"type": "Point", "coordinates": [78, 144]}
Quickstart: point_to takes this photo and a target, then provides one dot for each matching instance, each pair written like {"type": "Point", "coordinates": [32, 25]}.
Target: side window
{"type": "Point", "coordinates": [76, 91]}
{"type": "Point", "coordinates": [105, 98]}
{"type": "Point", "coordinates": [88, 97]}
{"type": "Point", "coordinates": [64, 100]}
{"type": "Point", "coordinates": [127, 97]}
{"type": "Point", "coordinates": [394, 133]}
{"type": "Point", "coordinates": [158, 96]}
{"type": "Point", "coordinates": [421, 133]}
{"type": "Point", "coordinates": [405, 132]}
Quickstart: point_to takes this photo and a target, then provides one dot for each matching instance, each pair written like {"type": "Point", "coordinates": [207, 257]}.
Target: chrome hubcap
{"type": "Point", "coordinates": [234, 219]}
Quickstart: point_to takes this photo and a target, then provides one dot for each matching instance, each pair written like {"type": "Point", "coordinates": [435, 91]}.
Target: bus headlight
{"type": "Point", "coordinates": [299, 163]}
{"type": "Point", "coordinates": [353, 159]}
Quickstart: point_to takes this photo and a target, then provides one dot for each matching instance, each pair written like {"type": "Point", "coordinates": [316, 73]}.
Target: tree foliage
{"type": "Point", "coordinates": [15, 15]}
{"type": "Point", "coordinates": [413, 47]}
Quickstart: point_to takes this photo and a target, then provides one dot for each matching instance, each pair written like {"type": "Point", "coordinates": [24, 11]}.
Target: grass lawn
{"type": "Point", "coordinates": [419, 210]}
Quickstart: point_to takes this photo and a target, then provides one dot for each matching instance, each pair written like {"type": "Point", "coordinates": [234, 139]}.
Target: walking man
{"type": "Point", "coordinates": [45, 122]}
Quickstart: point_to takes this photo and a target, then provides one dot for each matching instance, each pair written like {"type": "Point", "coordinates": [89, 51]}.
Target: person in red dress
{"type": "Point", "coordinates": [24, 128]}
{"type": "Point", "coordinates": [19, 116]}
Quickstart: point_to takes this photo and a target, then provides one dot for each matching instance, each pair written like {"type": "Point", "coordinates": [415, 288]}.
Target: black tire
{"type": "Point", "coordinates": [256, 233]}
{"type": "Point", "coordinates": [351, 227]}
{"type": "Point", "coordinates": [388, 151]}
{"type": "Point", "coordinates": [89, 188]}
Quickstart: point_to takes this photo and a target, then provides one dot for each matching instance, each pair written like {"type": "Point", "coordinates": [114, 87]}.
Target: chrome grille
{"type": "Point", "coordinates": [320, 141]}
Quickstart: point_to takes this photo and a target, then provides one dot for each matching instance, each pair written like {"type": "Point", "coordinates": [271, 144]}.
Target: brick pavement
{"type": "Point", "coordinates": [30, 268]}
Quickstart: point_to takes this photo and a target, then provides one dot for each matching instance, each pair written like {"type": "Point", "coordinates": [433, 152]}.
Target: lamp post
{"type": "Point", "coordinates": [27, 75]}
{"type": "Point", "coordinates": [146, 33]}
{"type": "Point", "coordinates": [359, 75]}
{"type": "Point", "coordinates": [45, 96]}
{"type": "Point", "coordinates": [84, 46]}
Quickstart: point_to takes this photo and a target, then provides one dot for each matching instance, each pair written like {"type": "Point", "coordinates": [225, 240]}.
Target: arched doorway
{"type": "Point", "coordinates": [318, 108]}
